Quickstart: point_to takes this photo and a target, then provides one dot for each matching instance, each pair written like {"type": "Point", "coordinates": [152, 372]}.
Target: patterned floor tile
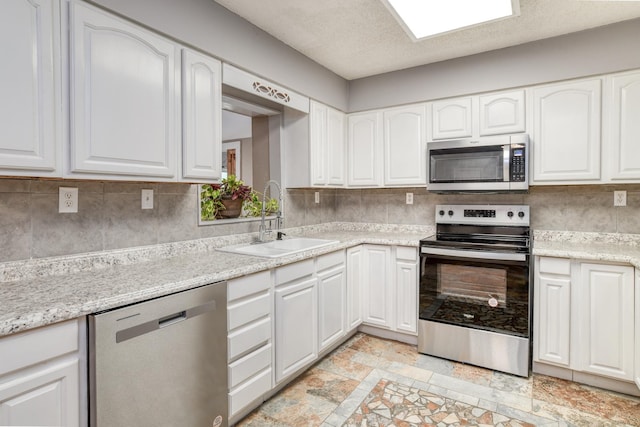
{"type": "Point", "coordinates": [344, 362]}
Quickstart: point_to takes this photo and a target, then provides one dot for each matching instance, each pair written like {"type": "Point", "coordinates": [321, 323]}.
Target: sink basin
{"type": "Point", "coordinates": [279, 248]}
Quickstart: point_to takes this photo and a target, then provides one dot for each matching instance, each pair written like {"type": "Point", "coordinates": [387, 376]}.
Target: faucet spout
{"type": "Point", "coordinates": [279, 218]}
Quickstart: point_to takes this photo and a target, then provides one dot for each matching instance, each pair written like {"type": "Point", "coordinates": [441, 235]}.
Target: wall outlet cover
{"type": "Point", "coordinates": [409, 198]}
{"type": "Point", "coordinates": [619, 198]}
{"type": "Point", "coordinates": [67, 200]}
{"type": "Point", "coordinates": [317, 197]}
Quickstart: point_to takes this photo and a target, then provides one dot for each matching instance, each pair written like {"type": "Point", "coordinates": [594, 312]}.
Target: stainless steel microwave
{"type": "Point", "coordinates": [493, 164]}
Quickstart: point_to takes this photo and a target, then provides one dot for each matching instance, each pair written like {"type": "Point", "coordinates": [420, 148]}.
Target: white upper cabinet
{"type": "Point", "coordinates": [404, 146]}
{"type": "Point", "coordinates": [125, 115]}
{"type": "Point", "coordinates": [622, 138]}
{"type": "Point", "coordinates": [365, 152]}
{"type": "Point", "coordinates": [566, 132]}
{"type": "Point", "coordinates": [30, 141]}
{"type": "Point", "coordinates": [451, 118]}
{"type": "Point", "coordinates": [201, 117]}
{"type": "Point", "coordinates": [501, 113]}
{"type": "Point", "coordinates": [327, 142]}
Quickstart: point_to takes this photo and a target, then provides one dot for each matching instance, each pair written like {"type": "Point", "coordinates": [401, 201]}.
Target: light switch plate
{"type": "Point", "coordinates": [317, 197]}
{"type": "Point", "coordinates": [147, 199]}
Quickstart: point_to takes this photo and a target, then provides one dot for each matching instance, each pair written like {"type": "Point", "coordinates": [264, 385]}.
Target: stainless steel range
{"type": "Point", "coordinates": [475, 301]}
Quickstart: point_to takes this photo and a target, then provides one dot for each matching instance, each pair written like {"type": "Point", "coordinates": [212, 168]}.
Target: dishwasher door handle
{"type": "Point", "coordinates": [163, 322]}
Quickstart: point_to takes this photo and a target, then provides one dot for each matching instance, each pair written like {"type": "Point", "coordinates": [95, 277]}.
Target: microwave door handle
{"type": "Point", "coordinates": [506, 161]}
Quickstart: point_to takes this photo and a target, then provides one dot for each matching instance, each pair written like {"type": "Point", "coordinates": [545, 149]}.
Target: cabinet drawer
{"type": "Point", "coordinates": [554, 265]}
{"type": "Point", "coordinates": [406, 253]}
{"type": "Point", "coordinates": [249, 365]}
{"type": "Point", "coordinates": [249, 337]}
{"type": "Point", "coordinates": [330, 260]}
{"type": "Point", "coordinates": [295, 271]}
{"type": "Point", "coordinates": [249, 310]}
{"type": "Point", "coordinates": [248, 285]}
{"type": "Point", "coordinates": [248, 392]}
{"type": "Point", "coordinates": [35, 346]}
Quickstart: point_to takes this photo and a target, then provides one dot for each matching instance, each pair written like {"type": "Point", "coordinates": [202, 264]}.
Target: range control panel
{"type": "Point", "coordinates": [483, 214]}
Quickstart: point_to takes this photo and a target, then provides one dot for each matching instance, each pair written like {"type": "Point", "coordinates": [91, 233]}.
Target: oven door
{"type": "Point", "coordinates": [475, 289]}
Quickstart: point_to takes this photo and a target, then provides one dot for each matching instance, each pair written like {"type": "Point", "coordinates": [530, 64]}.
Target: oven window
{"type": "Point", "coordinates": [492, 296]}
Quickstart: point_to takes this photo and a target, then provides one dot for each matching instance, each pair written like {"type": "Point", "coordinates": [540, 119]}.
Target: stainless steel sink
{"type": "Point", "coordinates": [279, 248]}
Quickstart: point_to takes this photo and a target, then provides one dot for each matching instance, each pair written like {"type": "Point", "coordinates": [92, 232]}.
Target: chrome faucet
{"type": "Point", "coordinates": [279, 218]}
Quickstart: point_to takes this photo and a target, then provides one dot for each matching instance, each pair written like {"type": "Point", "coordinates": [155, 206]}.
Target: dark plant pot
{"type": "Point", "coordinates": [232, 208]}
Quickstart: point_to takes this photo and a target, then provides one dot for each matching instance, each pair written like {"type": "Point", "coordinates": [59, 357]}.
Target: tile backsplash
{"type": "Point", "coordinates": [110, 215]}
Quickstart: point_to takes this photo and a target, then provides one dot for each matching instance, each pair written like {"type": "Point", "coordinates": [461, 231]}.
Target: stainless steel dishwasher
{"type": "Point", "coordinates": [161, 362]}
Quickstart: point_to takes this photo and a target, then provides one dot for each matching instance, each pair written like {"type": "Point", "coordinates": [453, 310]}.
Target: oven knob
{"type": "Point", "coordinates": [510, 214]}
{"type": "Point", "coordinates": [520, 214]}
{"type": "Point", "coordinates": [441, 213]}
{"type": "Point", "coordinates": [450, 213]}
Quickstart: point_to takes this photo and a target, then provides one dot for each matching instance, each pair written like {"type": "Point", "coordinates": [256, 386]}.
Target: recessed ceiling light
{"type": "Point", "coordinates": [426, 18]}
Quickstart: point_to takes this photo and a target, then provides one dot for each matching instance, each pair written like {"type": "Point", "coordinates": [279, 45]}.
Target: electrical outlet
{"type": "Point", "coordinates": [67, 200]}
{"type": "Point", "coordinates": [317, 196]}
{"type": "Point", "coordinates": [619, 198]}
{"type": "Point", "coordinates": [147, 199]}
{"type": "Point", "coordinates": [409, 198]}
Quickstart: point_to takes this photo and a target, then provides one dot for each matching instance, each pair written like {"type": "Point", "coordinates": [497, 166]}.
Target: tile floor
{"type": "Point", "coordinates": [370, 381]}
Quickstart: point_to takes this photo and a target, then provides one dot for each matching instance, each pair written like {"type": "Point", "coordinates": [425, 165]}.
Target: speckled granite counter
{"type": "Point", "coordinates": [609, 247]}
{"type": "Point", "coordinates": [35, 293]}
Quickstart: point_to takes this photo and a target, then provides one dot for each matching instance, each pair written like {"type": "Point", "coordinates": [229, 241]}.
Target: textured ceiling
{"type": "Point", "coordinates": [359, 38]}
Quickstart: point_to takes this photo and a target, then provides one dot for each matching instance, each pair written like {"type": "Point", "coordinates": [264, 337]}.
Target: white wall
{"type": "Point", "coordinates": [206, 25]}
{"type": "Point", "coordinates": [235, 126]}
{"type": "Point", "coordinates": [601, 50]}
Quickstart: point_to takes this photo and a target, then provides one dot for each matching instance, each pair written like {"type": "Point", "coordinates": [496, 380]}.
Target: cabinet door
{"type": "Point", "coordinates": [365, 150]}
{"type": "Point", "coordinates": [502, 113]}
{"type": "Point", "coordinates": [201, 117]}
{"type": "Point", "coordinates": [566, 132]}
{"type": "Point", "coordinates": [124, 102]}
{"type": "Point", "coordinates": [335, 147]}
{"type": "Point", "coordinates": [48, 396]}
{"type": "Point", "coordinates": [296, 334]}
{"type": "Point", "coordinates": [404, 146]}
{"type": "Point", "coordinates": [451, 118]}
{"type": "Point", "coordinates": [623, 139]}
{"type": "Point", "coordinates": [406, 267]}
{"type": "Point", "coordinates": [377, 286]}
{"type": "Point", "coordinates": [354, 286]}
{"type": "Point", "coordinates": [637, 329]}
{"type": "Point", "coordinates": [318, 142]}
{"type": "Point", "coordinates": [331, 306]}
{"type": "Point", "coordinates": [552, 318]}
{"type": "Point", "coordinates": [30, 101]}
{"type": "Point", "coordinates": [606, 320]}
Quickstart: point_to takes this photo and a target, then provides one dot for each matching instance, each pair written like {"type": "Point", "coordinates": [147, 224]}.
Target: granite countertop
{"type": "Point", "coordinates": [608, 247]}
{"type": "Point", "coordinates": [36, 293]}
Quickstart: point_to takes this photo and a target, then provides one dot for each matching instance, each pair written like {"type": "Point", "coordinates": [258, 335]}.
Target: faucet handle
{"type": "Point", "coordinates": [280, 234]}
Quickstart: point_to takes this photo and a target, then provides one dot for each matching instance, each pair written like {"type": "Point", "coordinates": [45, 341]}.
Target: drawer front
{"type": "Point", "coordinates": [407, 253]}
{"type": "Point", "coordinates": [248, 285]}
{"type": "Point", "coordinates": [330, 260]}
{"type": "Point", "coordinates": [249, 365]}
{"type": "Point", "coordinates": [248, 310]}
{"type": "Point", "coordinates": [291, 272]}
{"type": "Point", "coordinates": [38, 345]}
{"type": "Point", "coordinates": [249, 391]}
{"type": "Point", "coordinates": [249, 337]}
{"type": "Point", "coordinates": [554, 265]}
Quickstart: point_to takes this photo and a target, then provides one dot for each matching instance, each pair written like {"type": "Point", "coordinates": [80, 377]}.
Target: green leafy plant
{"type": "Point", "coordinates": [253, 206]}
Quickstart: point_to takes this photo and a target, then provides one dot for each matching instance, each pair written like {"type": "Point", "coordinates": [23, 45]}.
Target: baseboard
{"type": "Point", "coordinates": [387, 334]}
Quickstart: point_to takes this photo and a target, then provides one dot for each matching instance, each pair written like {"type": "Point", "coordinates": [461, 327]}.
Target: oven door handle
{"type": "Point", "coordinates": [499, 256]}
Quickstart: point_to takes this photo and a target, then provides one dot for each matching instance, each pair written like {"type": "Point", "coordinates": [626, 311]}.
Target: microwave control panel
{"type": "Point", "coordinates": [517, 166]}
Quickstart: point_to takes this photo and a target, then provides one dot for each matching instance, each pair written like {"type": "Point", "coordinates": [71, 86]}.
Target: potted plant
{"type": "Point", "coordinates": [253, 205]}
{"type": "Point", "coordinates": [224, 200]}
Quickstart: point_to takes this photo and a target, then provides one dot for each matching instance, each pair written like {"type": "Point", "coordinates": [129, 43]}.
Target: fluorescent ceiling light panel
{"type": "Point", "coordinates": [425, 18]}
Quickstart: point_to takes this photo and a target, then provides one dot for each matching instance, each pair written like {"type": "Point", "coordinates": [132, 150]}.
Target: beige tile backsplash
{"type": "Point", "coordinates": [110, 216]}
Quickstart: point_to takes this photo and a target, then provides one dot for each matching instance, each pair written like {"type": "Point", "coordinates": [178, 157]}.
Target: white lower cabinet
{"type": "Point", "coordinates": [331, 298]}
{"type": "Point", "coordinates": [40, 372]}
{"type": "Point", "coordinates": [354, 287]}
{"type": "Point", "coordinates": [584, 317]}
{"type": "Point", "coordinates": [296, 332]}
{"type": "Point", "coordinates": [249, 340]}
{"type": "Point", "coordinates": [389, 280]}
